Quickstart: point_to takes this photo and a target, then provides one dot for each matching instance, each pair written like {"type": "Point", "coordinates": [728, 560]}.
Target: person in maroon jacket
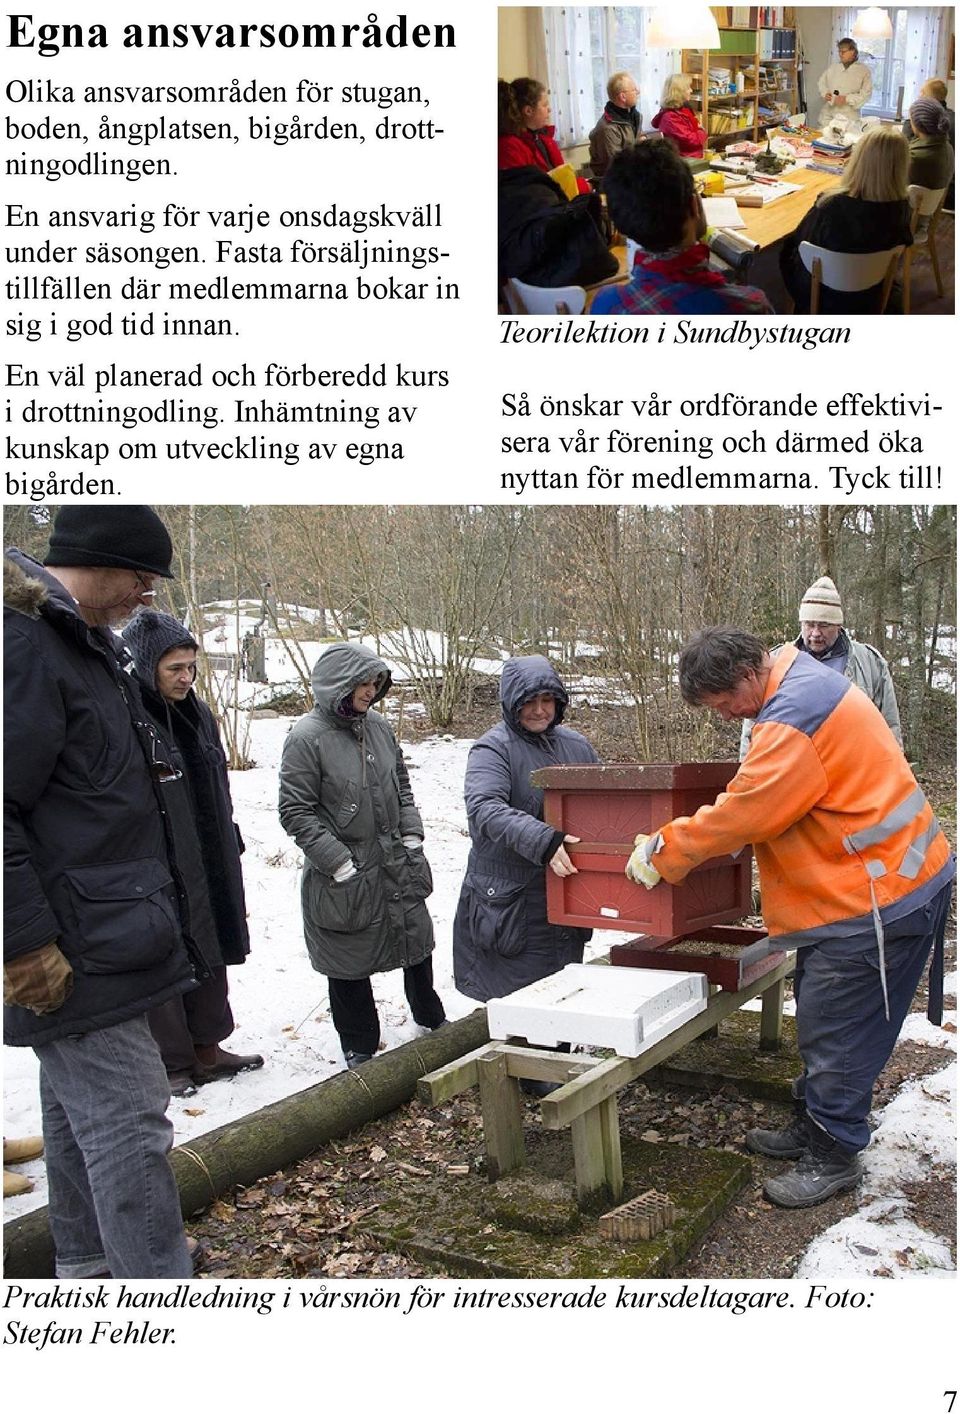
{"type": "Point", "coordinates": [677, 120]}
{"type": "Point", "coordinates": [525, 133]}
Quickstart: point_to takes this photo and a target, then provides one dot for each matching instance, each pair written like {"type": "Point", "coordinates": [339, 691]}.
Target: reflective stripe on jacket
{"type": "Point", "coordinates": [828, 801]}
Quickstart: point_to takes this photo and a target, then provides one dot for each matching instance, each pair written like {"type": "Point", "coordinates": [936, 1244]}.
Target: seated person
{"type": "Point", "coordinates": [525, 136]}
{"type": "Point", "coordinates": [937, 90]}
{"type": "Point", "coordinates": [652, 200]}
{"type": "Point", "coordinates": [619, 125]}
{"type": "Point", "coordinates": [677, 120]}
{"type": "Point", "coordinates": [868, 211]}
{"type": "Point", "coordinates": [931, 155]}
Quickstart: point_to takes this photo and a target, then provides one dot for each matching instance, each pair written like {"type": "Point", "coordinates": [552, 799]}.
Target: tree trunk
{"type": "Point", "coordinates": [276, 1136]}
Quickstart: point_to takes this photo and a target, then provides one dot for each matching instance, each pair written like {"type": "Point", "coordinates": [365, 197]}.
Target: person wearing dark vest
{"type": "Point", "coordinates": [189, 1029]}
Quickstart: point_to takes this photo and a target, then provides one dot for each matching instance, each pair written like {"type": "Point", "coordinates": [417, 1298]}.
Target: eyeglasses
{"type": "Point", "coordinates": [145, 590]}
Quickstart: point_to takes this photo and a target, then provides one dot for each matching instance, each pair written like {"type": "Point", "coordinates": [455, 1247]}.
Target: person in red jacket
{"type": "Point", "coordinates": [677, 120]}
{"type": "Point", "coordinates": [525, 133]}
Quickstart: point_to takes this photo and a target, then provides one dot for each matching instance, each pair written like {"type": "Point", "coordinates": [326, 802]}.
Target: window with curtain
{"type": "Point", "coordinates": [917, 51]}
{"type": "Point", "coordinates": [585, 45]}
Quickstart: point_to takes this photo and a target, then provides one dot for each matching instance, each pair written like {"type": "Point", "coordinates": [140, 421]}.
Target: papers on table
{"type": "Point", "coordinates": [722, 211]}
{"type": "Point", "coordinates": [762, 193]}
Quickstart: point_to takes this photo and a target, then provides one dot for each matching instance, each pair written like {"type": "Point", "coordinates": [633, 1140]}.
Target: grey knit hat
{"type": "Point", "coordinates": [929, 116]}
{"type": "Point", "coordinates": [821, 603]}
{"type": "Point", "coordinates": [148, 636]}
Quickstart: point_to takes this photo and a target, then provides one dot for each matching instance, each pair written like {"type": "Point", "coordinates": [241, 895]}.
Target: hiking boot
{"type": "Point", "coordinates": [21, 1151]}
{"type": "Point", "coordinates": [214, 1063]}
{"type": "Point", "coordinates": [355, 1058]}
{"type": "Point", "coordinates": [825, 1168]}
{"type": "Point", "coordinates": [181, 1083]}
{"type": "Point", "coordinates": [788, 1143]}
{"type": "Point", "coordinates": [14, 1184]}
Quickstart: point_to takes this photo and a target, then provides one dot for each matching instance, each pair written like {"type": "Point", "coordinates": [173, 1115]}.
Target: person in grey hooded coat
{"type": "Point", "coordinates": [345, 798]}
{"type": "Point", "coordinates": [501, 937]}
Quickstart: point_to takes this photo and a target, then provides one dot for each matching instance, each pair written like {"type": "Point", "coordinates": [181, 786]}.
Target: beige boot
{"type": "Point", "coordinates": [19, 1151]}
{"type": "Point", "coordinates": [15, 1184]}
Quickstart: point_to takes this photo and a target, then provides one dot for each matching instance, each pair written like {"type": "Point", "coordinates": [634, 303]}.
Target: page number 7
{"type": "Point", "coordinates": [950, 1396]}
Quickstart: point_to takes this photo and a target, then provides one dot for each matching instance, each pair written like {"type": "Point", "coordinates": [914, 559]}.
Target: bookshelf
{"type": "Point", "coordinates": [755, 67]}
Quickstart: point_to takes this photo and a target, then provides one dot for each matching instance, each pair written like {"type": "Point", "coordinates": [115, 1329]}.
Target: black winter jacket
{"type": "Point", "coordinates": [501, 937]}
{"type": "Point", "coordinates": [544, 239]}
{"type": "Point", "coordinates": [214, 885]}
{"type": "Point", "coordinates": [85, 857]}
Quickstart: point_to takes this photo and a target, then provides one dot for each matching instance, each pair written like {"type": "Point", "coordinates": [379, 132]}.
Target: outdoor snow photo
{"type": "Point", "coordinates": [258, 650]}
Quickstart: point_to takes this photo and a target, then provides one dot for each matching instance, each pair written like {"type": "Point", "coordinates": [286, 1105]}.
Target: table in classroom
{"type": "Point", "coordinates": [764, 224]}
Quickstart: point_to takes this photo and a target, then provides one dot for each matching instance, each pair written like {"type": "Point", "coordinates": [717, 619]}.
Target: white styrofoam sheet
{"type": "Point", "coordinates": [625, 1009]}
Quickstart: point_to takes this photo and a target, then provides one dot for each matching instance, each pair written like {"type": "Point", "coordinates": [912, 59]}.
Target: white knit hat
{"type": "Point", "coordinates": [821, 603]}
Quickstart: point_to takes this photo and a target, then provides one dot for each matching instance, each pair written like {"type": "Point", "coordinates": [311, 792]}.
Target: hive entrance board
{"type": "Point", "coordinates": [625, 1009]}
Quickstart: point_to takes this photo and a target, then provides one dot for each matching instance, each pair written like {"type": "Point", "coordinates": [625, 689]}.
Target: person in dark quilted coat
{"type": "Point", "coordinates": [501, 937]}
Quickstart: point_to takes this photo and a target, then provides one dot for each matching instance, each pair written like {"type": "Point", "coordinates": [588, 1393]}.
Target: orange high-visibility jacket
{"type": "Point", "coordinates": [827, 799]}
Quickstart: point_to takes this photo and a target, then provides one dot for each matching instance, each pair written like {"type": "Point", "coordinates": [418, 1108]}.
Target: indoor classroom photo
{"type": "Point", "coordinates": [747, 160]}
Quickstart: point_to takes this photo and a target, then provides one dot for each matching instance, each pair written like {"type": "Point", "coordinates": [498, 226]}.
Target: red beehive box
{"type": "Point", "coordinates": [606, 806]}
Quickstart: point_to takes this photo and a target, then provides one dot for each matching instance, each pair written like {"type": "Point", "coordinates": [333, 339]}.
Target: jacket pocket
{"type": "Point", "coordinates": [349, 907]}
{"type": "Point", "coordinates": [125, 915]}
{"type": "Point", "coordinates": [419, 882]}
{"type": "Point", "coordinates": [498, 915]}
{"type": "Point", "coordinates": [349, 807]}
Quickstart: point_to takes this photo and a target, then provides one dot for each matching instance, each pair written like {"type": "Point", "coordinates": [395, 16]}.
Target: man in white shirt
{"type": "Point", "coordinates": [845, 87]}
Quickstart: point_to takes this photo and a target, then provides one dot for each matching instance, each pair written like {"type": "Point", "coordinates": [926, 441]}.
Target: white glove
{"type": "Point", "coordinates": [411, 842]}
{"type": "Point", "coordinates": [639, 870]}
{"type": "Point", "coordinates": [345, 872]}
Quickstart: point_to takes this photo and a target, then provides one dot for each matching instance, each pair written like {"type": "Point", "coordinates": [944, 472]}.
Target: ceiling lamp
{"type": "Point", "coordinates": [873, 23]}
{"type": "Point", "coordinates": [683, 27]}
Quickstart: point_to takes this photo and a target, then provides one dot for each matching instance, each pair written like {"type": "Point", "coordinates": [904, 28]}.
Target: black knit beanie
{"type": "Point", "coordinates": [115, 537]}
{"type": "Point", "coordinates": [148, 636]}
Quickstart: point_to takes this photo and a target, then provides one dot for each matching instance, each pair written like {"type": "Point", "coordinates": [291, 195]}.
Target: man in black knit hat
{"type": "Point", "coordinates": [92, 926]}
{"type": "Point", "coordinates": [189, 1028]}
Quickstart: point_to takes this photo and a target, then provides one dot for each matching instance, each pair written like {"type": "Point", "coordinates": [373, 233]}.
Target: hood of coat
{"type": "Point", "coordinates": [523, 678]}
{"type": "Point", "coordinates": [342, 668]}
{"type": "Point", "coordinates": [148, 636]}
{"type": "Point", "coordinates": [25, 584]}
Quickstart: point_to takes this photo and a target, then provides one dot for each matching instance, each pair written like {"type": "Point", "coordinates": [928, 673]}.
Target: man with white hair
{"type": "Point", "coordinates": [619, 125]}
{"type": "Point", "coordinates": [823, 636]}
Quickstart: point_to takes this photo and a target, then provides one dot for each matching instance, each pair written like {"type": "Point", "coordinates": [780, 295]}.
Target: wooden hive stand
{"type": "Point", "coordinates": [586, 1102]}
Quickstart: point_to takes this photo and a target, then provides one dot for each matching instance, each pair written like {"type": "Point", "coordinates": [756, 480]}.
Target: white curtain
{"type": "Point", "coordinates": [584, 46]}
{"type": "Point", "coordinates": [927, 49]}
{"type": "Point", "coordinates": [569, 72]}
{"type": "Point", "coordinates": [918, 51]}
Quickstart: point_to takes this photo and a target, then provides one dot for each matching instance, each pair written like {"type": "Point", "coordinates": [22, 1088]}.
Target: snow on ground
{"type": "Point", "coordinates": [279, 1003]}
{"type": "Point", "coordinates": [280, 1006]}
{"type": "Point", "coordinates": [916, 1131]}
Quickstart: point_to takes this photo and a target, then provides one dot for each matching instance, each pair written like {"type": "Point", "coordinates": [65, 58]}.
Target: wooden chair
{"type": "Point", "coordinates": [926, 201]}
{"type": "Point", "coordinates": [537, 299]}
{"type": "Point", "coordinates": [838, 270]}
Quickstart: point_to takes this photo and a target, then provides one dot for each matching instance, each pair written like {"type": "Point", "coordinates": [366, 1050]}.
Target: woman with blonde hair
{"type": "Point", "coordinates": [867, 212]}
{"type": "Point", "coordinates": [677, 120]}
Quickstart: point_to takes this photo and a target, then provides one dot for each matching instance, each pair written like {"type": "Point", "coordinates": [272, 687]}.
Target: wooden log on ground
{"type": "Point", "coordinates": [276, 1136]}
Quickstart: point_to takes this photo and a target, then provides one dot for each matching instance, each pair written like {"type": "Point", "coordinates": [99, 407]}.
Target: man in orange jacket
{"type": "Point", "coordinates": [855, 873]}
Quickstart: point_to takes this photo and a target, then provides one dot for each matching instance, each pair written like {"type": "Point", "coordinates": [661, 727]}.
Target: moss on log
{"type": "Point", "coordinates": [276, 1136]}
